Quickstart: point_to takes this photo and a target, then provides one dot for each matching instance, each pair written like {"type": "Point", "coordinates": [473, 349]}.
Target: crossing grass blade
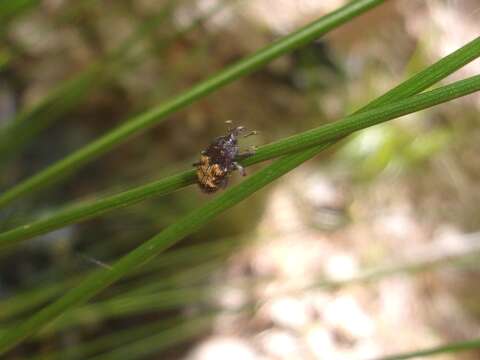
{"type": "Point", "coordinates": [209, 253]}
{"type": "Point", "coordinates": [10, 10]}
{"type": "Point", "coordinates": [146, 120]}
{"type": "Point", "coordinates": [148, 250]}
{"type": "Point", "coordinates": [30, 122]}
{"type": "Point", "coordinates": [177, 231]}
{"type": "Point", "coordinates": [321, 135]}
{"type": "Point", "coordinates": [200, 216]}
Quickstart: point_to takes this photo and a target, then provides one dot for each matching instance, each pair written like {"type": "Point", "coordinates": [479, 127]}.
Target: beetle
{"type": "Point", "coordinates": [220, 159]}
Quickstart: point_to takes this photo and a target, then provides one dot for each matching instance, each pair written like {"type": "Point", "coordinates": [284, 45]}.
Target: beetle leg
{"type": "Point", "coordinates": [253, 132]}
{"type": "Point", "coordinates": [245, 154]}
{"type": "Point", "coordinates": [223, 184]}
{"type": "Point", "coordinates": [240, 168]}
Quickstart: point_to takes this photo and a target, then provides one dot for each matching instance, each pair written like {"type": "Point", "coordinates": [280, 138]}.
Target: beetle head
{"type": "Point", "coordinates": [235, 132]}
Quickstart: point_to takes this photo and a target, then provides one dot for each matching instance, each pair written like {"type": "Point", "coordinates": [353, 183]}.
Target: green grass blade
{"type": "Point", "coordinates": [364, 119]}
{"type": "Point", "coordinates": [94, 208]}
{"type": "Point", "coordinates": [9, 10]}
{"type": "Point", "coordinates": [321, 135]}
{"type": "Point", "coordinates": [146, 120]}
{"type": "Point", "coordinates": [16, 305]}
{"type": "Point", "coordinates": [160, 341]}
{"type": "Point", "coordinates": [189, 256]}
{"type": "Point", "coordinates": [125, 306]}
{"type": "Point", "coordinates": [189, 224]}
{"type": "Point", "coordinates": [129, 305]}
{"type": "Point", "coordinates": [27, 124]}
{"type": "Point", "coordinates": [5, 58]}
{"type": "Point", "coordinates": [145, 252]}
{"type": "Point", "coordinates": [30, 122]}
{"type": "Point", "coordinates": [147, 27]}
{"type": "Point", "coordinates": [115, 340]}
{"type": "Point", "coordinates": [202, 215]}
{"type": "Point", "coordinates": [148, 250]}
{"type": "Point", "coordinates": [444, 349]}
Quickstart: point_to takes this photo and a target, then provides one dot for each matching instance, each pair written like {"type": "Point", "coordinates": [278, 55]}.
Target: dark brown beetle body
{"type": "Point", "coordinates": [219, 160]}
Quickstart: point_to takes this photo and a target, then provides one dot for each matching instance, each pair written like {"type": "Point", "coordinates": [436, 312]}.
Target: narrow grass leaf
{"type": "Point", "coordinates": [191, 255]}
{"type": "Point", "coordinates": [9, 10]}
{"type": "Point", "coordinates": [111, 341]}
{"type": "Point", "coordinates": [30, 122]}
{"type": "Point", "coordinates": [159, 341]}
{"type": "Point", "coordinates": [191, 222]}
{"type": "Point", "coordinates": [321, 135]}
{"type": "Point", "coordinates": [364, 119]}
{"type": "Point", "coordinates": [148, 250]}
{"type": "Point", "coordinates": [68, 165]}
{"type": "Point", "coordinates": [166, 238]}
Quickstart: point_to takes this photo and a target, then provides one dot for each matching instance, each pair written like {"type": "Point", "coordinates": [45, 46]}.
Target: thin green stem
{"type": "Point", "coordinates": [175, 232]}
{"type": "Point", "coordinates": [202, 215]}
{"type": "Point", "coordinates": [211, 252]}
{"type": "Point", "coordinates": [97, 207]}
{"type": "Point", "coordinates": [9, 10]}
{"type": "Point", "coordinates": [148, 250]}
{"type": "Point", "coordinates": [321, 135]}
{"type": "Point", "coordinates": [146, 120]}
{"type": "Point", "coordinates": [158, 341]}
{"type": "Point", "coordinates": [129, 305]}
{"type": "Point", "coordinates": [30, 122]}
{"type": "Point", "coordinates": [364, 119]}
{"type": "Point", "coordinates": [115, 340]}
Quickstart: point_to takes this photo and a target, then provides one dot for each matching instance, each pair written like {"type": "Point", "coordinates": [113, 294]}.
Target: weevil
{"type": "Point", "coordinates": [220, 159]}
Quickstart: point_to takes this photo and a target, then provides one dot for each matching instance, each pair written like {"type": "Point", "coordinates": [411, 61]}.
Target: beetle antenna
{"type": "Point", "coordinates": [237, 130]}
{"type": "Point", "coordinates": [229, 123]}
{"type": "Point", "coordinates": [253, 132]}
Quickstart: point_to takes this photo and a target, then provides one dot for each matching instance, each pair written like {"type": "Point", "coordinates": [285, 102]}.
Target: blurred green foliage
{"type": "Point", "coordinates": [76, 88]}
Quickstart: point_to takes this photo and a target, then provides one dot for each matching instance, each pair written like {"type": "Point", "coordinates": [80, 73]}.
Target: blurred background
{"type": "Point", "coordinates": [370, 249]}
